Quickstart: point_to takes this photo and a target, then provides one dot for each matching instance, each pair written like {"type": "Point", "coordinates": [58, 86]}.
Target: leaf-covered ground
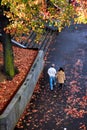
{"type": "Point", "coordinates": [23, 59]}
{"type": "Point", "coordinates": [66, 107]}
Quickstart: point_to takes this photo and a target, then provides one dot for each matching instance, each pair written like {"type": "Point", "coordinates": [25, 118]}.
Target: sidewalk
{"type": "Point", "coordinates": [66, 108]}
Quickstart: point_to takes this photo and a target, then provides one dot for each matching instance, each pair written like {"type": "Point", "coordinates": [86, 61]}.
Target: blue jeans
{"type": "Point", "coordinates": [52, 81]}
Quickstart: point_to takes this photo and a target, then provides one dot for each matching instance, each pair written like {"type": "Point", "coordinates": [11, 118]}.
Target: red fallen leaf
{"type": "Point", "coordinates": [28, 124]}
{"type": "Point", "coordinates": [77, 100]}
{"type": "Point", "coordinates": [34, 110]}
{"type": "Point", "coordinates": [73, 82]}
{"type": "Point", "coordinates": [84, 98]}
{"type": "Point", "coordinates": [41, 120]}
{"type": "Point", "coordinates": [70, 98]}
{"type": "Point", "coordinates": [21, 126]}
{"type": "Point", "coordinates": [75, 88]}
{"type": "Point", "coordinates": [74, 112]}
{"type": "Point", "coordinates": [1, 97]}
{"type": "Point", "coordinates": [82, 111]}
{"type": "Point", "coordinates": [83, 127]}
{"type": "Point", "coordinates": [49, 111]}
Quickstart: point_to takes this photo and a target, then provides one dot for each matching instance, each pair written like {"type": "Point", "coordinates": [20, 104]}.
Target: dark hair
{"type": "Point", "coordinates": [61, 69]}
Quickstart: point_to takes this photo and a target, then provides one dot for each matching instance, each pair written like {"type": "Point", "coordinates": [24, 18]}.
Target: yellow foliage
{"type": "Point", "coordinates": [22, 15]}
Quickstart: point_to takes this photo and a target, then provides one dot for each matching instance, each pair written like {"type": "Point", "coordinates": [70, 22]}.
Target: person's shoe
{"type": "Point", "coordinates": [54, 84]}
{"type": "Point", "coordinates": [51, 89]}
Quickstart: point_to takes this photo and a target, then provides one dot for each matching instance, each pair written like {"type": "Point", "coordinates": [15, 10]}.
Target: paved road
{"type": "Point", "coordinates": [64, 109]}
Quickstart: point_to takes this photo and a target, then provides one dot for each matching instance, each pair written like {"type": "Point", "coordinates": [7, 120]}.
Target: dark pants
{"type": "Point", "coordinates": [60, 85]}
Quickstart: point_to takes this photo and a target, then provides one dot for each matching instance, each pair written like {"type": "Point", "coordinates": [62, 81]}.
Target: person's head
{"type": "Point", "coordinates": [53, 65]}
{"type": "Point", "coordinates": [78, 60]}
{"type": "Point", "coordinates": [61, 69]}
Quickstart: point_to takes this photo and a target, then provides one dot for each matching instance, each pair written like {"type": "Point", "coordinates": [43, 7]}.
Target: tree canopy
{"type": "Point", "coordinates": [24, 14]}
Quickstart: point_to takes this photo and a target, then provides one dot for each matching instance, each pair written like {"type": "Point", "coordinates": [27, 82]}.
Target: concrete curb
{"type": "Point", "coordinates": [16, 107]}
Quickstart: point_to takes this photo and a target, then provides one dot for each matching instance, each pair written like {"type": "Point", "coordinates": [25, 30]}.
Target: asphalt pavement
{"type": "Point", "coordinates": [66, 108]}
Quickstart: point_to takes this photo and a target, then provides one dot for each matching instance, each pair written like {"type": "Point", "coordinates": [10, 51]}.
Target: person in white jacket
{"type": "Point", "coordinates": [52, 76]}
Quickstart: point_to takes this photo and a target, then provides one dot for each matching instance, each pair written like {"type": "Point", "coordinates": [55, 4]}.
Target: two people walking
{"type": "Point", "coordinates": [54, 75]}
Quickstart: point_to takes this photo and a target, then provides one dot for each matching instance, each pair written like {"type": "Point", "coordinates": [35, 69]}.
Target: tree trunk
{"type": "Point", "coordinates": [8, 58]}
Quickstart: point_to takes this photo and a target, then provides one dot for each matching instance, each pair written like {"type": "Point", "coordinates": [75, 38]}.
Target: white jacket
{"type": "Point", "coordinates": [52, 72]}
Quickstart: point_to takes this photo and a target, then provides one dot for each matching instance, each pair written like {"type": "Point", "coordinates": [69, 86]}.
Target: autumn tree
{"type": "Point", "coordinates": [20, 15]}
{"type": "Point", "coordinates": [13, 20]}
